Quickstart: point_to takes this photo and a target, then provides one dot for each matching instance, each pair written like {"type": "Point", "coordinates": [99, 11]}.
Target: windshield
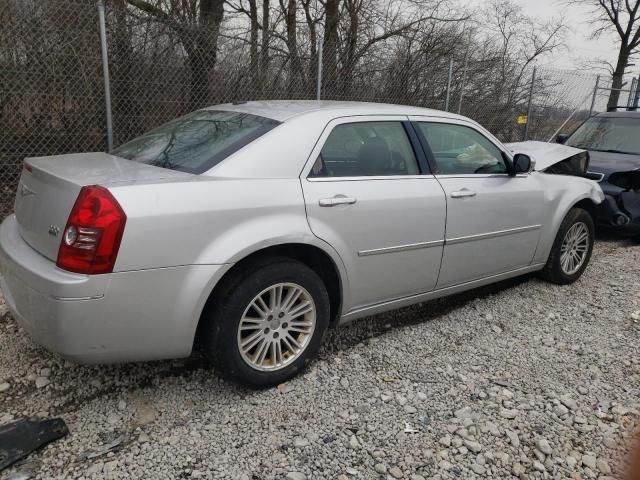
{"type": "Point", "coordinates": [196, 142]}
{"type": "Point", "coordinates": [608, 134]}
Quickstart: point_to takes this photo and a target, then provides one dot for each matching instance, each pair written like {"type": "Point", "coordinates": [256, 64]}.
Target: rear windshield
{"type": "Point", "coordinates": [608, 134]}
{"type": "Point", "coordinates": [196, 142]}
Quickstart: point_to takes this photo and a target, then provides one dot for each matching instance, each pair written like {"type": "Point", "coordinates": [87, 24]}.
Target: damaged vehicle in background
{"type": "Point", "coordinates": [613, 142]}
{"type": "Point", "coordinates": [251, 228]}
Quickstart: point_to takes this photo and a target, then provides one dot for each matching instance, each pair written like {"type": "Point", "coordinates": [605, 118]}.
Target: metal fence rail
{"type": "Point", "coordinates": [77, 77]}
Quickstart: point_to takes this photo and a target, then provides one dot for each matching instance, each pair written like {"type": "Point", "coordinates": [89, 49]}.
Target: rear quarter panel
{"type": "Point", "coordinates": [207, 221]}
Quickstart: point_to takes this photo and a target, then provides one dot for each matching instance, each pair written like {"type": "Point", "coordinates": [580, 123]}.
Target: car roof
{"type": "Point", "coordinates": [625, 113]}
{"type": "Point", "coordinates": [283, 110]}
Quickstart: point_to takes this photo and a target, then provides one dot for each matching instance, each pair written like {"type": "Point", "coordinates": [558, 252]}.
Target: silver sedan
{"type": "Point", "coordinates": [253, 227]}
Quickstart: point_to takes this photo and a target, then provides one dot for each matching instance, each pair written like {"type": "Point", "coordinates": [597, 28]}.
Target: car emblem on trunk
{"type": "Point", "coordinates": [25, 191]}
{"type": "Point", "coordinates": [54, 230]}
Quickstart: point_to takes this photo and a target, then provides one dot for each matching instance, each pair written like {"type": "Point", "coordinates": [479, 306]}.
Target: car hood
{"type": "Point", "coordinates": [545, 154]}
{"type": "Point", "coordinates": [605, 162]}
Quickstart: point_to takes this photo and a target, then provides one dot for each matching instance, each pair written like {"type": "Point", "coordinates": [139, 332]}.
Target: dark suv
{"type": "Point", "coordinates": [613, 142]}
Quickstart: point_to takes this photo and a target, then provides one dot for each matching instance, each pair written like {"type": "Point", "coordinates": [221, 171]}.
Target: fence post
{"type": "Point", "coordinates": [105, 74]}
{"type": "Point", "coordinates": [595, 95]}
{"type": "Point", "coordinates": [464, 80]}
{"type": "Point", "coordinates": [526, 125]}
{"type": "Point", "coordinates": [319, 79]}
{"type": "Point", "coordinates": [446, 103]}
{"type": "Point", "coordinates": [632, 93]}
{"type": "Point", "coordinates": [636, 97]}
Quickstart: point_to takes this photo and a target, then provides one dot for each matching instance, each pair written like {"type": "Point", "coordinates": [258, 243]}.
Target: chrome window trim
{"type": "Point", "coordinates": [481, 175]}
{"type": "Point", "coordinates": [400, 248]}
{"type": "Point", "coordinates": [483, 236]}
{"type": "Point", "coordinates": [372, 177]}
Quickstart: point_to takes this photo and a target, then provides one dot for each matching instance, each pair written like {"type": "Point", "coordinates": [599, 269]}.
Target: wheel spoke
{"type": "Point", "coordinates": [275, 297]}
{"type": "Point", "coordinates": [301, 309]}
{"type": "Point", "coordinates": [288, 346]}
{"type": "Point", "coordinates": [582, 238]}
{"type": "Point", "coordinates": [249, 323]}
{"type": "Point", "coordinates": [579, 259]}
{"type": "Point", "coordinates": [260, 306]}
{"type": "Point", "coordinates": [292, 340]}
{"type": "Point", "coordinates": [251, 341]}
{"type": "Point", "coordinates": [299, 329]}
{"type": "Point", "coordinates": [292, 297]}
{"type": "Point", "coordinates": [261, 353]}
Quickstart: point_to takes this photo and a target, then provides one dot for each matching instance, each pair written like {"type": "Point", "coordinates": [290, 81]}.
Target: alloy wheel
{"type": "Point", "coordinates": [575, 247]}
{"type": "Point", "coordinates": [276, 327]}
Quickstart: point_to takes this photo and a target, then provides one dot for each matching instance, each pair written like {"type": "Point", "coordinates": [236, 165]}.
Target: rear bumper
{"type": "Point", "coordinates": [119, 317]}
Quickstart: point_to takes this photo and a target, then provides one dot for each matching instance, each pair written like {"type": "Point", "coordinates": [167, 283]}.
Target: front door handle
{"type": "Point", "coordinates": [337, 200]}
{"type": "Point", "coordinates": [463, 193]}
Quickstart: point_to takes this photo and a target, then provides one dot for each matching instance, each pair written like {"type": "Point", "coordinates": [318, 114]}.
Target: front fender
{"type": "Point", "coordinates": [562, 193]}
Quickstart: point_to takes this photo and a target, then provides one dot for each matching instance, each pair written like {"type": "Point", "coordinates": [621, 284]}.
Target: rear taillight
{"type": "Point", "coordinates": [91, 239]}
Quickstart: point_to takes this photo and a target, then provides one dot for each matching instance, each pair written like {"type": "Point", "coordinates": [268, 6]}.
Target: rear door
{"type": "Point", "coordinates": [369, 194]}
{"type": "Point", "coordinates": [493, 218]}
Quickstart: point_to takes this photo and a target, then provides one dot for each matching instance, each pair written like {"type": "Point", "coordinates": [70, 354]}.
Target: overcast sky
{"type": "Point", "coordinates": [580, 46]}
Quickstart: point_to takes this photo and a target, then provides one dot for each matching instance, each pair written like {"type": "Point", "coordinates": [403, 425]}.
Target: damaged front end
{"type": "Point", "coordinates": [555, 158]}
{"type": "Point", "coordinates": [621, 208]}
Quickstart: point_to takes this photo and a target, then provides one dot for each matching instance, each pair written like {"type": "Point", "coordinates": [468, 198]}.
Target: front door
{"type": "Point", "coordinates": [493, 218]}
{"type": "Point", "coordinates": [368, 195]}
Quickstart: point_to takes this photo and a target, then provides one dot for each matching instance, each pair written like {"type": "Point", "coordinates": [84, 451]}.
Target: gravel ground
{"type": "Point", "coordinates": [522, 379]}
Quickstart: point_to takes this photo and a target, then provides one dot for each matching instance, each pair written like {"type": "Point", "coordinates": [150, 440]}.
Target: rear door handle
{"type": "Point", "coordinates": [463, 193]}
{"type": "Point", "coordinates": [337, 200]}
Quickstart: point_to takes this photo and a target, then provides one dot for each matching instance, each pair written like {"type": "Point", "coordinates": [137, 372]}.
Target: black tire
{"type": "Point", "coordinates": [553, 271]}
{"type": "Point", "coordinates": [223, 317]}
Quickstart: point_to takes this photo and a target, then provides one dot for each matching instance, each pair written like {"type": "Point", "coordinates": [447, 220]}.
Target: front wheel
{"type": "Point", "coordinates": [571, 249]}
{"type": "Point", "coordinates": [268, 323]}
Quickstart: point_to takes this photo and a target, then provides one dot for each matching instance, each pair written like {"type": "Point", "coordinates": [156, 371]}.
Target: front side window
{"type": "Point", "coordinates": [460, 150]}
{"type": "Point", "coordinates": [366, 149]}
{"type": "Point", "coordinates": [196, 142]}
{"type": "Point", "coordinates": [608, 134]}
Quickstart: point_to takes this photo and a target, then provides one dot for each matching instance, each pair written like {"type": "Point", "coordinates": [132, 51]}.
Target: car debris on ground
{"type": "Point", "coordinates": [18, 439]}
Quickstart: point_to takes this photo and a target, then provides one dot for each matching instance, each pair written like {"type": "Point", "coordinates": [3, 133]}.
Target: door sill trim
{"type": "Point", "coordinates": [433, 294]}
{"type": "Point", "coordinates": [499, 233]}
{"type": "Point", "coordinates": [400, 248]}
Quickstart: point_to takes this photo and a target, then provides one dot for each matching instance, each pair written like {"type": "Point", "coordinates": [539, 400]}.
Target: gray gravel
{"type": "Point", "coordinates": [521, 379]}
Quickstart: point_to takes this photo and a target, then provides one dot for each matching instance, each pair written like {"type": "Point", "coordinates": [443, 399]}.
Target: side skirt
{"type": "Point", "coordinates": [432, 295]}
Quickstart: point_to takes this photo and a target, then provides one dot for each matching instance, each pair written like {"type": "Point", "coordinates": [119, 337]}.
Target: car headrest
{"type": "Point", "coordinates": [375, 155]}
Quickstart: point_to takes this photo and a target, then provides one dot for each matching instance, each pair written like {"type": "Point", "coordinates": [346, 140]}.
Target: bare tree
{"type": "Point", "coordinates": [197, 24]}
{"type": "Point", "coordinates": [623, 16]}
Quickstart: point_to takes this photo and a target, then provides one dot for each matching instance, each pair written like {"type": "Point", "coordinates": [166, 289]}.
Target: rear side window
{"type": "Point", "coordinates": [366, 149]}
{"type": "Point", "coordinates": [460, 150]}
{"type": "Point", "coordinates": [196, 142]}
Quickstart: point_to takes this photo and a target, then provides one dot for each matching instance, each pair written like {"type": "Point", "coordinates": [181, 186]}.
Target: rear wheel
{"type": "Point", "coordinates": [571, 249]}
{"type": "Point", "coordinates": [268, 322]}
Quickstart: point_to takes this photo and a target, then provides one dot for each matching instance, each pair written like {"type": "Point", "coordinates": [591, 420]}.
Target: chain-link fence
{"type": "Point", "coordinates": [162, 64]}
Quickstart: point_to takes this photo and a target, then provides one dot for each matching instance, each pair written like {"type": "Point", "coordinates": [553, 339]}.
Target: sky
{"type": "Point", "coordinates": [580, 47]}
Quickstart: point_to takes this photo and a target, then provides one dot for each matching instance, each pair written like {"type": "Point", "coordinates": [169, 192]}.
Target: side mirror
{"type": "Point", "coordinates": [522, 163]}
{"type": "Point", "coordinates": [562, 138]}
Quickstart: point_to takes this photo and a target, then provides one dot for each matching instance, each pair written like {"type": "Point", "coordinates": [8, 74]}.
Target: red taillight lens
{"type": "Point", "coordinates": [91, 239]}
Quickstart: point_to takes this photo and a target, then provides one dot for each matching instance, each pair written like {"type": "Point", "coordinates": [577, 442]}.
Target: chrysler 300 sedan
{"type": "Point", "coordinates": [251, 228]}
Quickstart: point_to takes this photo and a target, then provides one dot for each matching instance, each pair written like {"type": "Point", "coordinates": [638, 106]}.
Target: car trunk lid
{"type": "Point", "coordinates": [49, 186]}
